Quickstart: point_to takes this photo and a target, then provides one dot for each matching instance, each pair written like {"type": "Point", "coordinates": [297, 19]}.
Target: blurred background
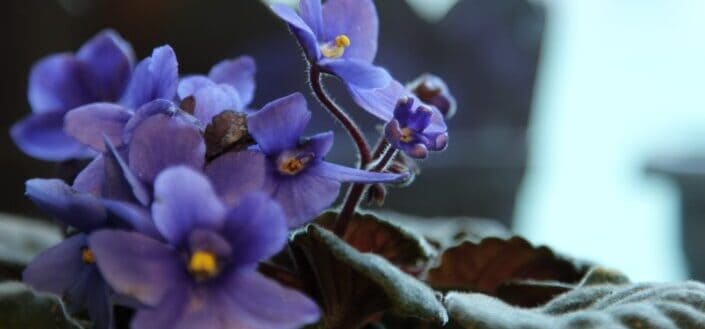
{"type": "Point", "coordinates": [580, 123]}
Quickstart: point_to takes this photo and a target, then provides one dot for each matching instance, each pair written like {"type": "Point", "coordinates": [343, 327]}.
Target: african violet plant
{"type": "Point", "coordinates": [198, 211]}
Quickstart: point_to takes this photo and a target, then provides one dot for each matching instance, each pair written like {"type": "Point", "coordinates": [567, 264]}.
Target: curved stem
{"type": "Point", "coordinates": [355, 133]}
{"type": "Point", "coordinates": [352, 200]}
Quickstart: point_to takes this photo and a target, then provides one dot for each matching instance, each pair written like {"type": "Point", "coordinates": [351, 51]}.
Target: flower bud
{"type": "Point", "coordinates": [227, 131]}
{"type": "Point", "coordinates": [432, 90]}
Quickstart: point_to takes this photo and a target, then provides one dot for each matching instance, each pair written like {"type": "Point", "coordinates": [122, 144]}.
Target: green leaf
{"type": "Point", "coordinates": [369, 233]}
{"type": "Point", "coordinates": [20, 240]}
{"type": "Point", "coordinates": [22, 307]}
{"type": "Point", "coordinates": [355, 288]}
{"type": "Point", "coordinates": [643, 306]}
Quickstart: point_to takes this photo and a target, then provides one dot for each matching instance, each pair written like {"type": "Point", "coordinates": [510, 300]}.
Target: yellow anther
{"type": "Point", "coordinates": [406, 135]}
{"type": "Point", "coordinates": [336, 49]}
{"type": "Point", "coordinates": [342, 41]}
{"type": "Point", "coordinates": [203, 264]}
{"type": "Point", "coordinates": [291, 166]}
{"type": "Point", "coordinates": [87, 256]}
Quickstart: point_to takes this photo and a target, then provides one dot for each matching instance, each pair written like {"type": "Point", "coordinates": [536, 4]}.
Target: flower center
{"type": "Point", "coordinates": [336, 48]}
{"type": "Point", "coordinates": [407, 135]}
{"type": "Point", "coordinates": [294, 164]}
{"type": "Point", "coordinates": [203, 265]}
{"type": "Point", "coordinates": [87, 256]}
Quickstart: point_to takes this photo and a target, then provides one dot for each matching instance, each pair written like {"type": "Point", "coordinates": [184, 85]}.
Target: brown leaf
{"type": "Point", "coordinates": [486, 266]}
{"type": "Point", "coordinates": [369, 233]}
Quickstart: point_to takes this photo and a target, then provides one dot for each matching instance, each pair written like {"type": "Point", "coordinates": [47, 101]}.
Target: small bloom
{"type": "Point", "coordinates": [204, 275]}
{"type": "Point", "coordinates": [411, 130]}
{"type": "Point", "coordinates": [230, 85]}
{"type": "Point", "coordinates": [99, 71]}
{"type": "Point", "coordinates": [339, 37]}
{"type": "Point", "coordinates": [297, 177]}
{"type": "Point", "coordinates": [69, 270]}
{"type": "Point", "coordinates": [432, 90]}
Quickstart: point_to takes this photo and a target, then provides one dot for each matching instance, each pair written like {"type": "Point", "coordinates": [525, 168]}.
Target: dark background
{"type": "Point", "coordinates": [486, 50]}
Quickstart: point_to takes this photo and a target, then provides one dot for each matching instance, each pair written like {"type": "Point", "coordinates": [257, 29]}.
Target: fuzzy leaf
{"type": "Point", "coordinates": [22, 307]}
{"type": "Point", "coordinates": [354, 288]}
{"type": "Point", "coordinates": [485, 266]}
{"type": "Point", "coordinates": [643, 306]}
{"type": "Point", "coordinates": [369, 233]}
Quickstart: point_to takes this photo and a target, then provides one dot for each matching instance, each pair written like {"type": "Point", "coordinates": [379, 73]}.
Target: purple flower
{"type": "Point", "coordinates": [338, 37]}
{"type": "Point", "coordinates": [156, 136]}
{"type": "Point", "coordinates": [205, 275]}
{"type": "Point", "coordinates": [69, 270]}
{"type": "Point", "coordinates": [412, 131]}
{"type": "Point", "coordinates": [297, 176]}
{"type": "Point", "coordinates": [99, 71]}
{"type": "Point", "coordinates": [230, 85]}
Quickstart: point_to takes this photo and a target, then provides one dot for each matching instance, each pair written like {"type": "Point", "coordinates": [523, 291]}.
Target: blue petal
{"type": "Point", "coordinates": [279, 125]}
{"type": "Point", "coordinates": [136, 265]}
{"type": "Point", "coordinates": [254, 301]}
{"type": "Point", "coordinates": [344, 174]}
{"type": "Point", "coordinates": [235, 174]}
{"type": "Point", "coordinates": [238, 73]}
{"type": "Point", "coordinates": [358, 20]}
{"type": "Point", "coordinates": [191, 84]}
{"type": "Point", "coordinates": [91, 178]}
{"type": "Point", "coordinates": [379, 102]}
{"type": "Point", "coordinates": [58, 83]}
{"type": "Point", "coordinates": [146, 111]}
{"type": "Point", "coordinates": [80, 210]}
{"type": "Point", "coordinates": [121, 182]}
{"type": "Point", "coordinates": [156, 77]}
{"type": "Point", "coordinates": [303, 33]}
{"type": "Point", "coordinates": [42, 136]}
{"type": "Point", "coordinates": [320, 144]}
{"type": "Point", "coordinates": [212, 100]}
{"type": "Point", "coordinates": [134, 216]}
{"type": "Point", "coordinates": [183, 200]}
{"type": "Point", "coordinates": [312, 14]}
{"type": "Point", "coordinates": [357, 73]}
{"type": "Point", "coordinates": [167, 313]}
{"type": "Point", "coordinates": [99, 303]}
{"type": "Point", "coordinates": [418, 150]}
{"type": "Point", "coordinates": [162, 141]}
{"type": "Point", "coordinates": [89, 124]}
{"type": "Point", "coordinates": [55, 269]}
{"type": "Point", "coordinates": [256, 229]}
{"type": "Point", "coordinates": [302, 197]}
{"type": "Point", "coordinates": [110, 59]}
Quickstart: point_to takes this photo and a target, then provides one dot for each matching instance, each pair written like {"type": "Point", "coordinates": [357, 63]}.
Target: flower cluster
{"type": "Point", "coordinates": [189, 187]}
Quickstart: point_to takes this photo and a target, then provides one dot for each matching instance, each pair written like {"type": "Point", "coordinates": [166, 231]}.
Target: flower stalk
{"type": "Point", "coordinates": [363, 148]}
{"type": "Point", "coordinates": [352, 199]}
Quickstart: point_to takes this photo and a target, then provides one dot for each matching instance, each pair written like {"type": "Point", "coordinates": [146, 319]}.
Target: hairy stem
{"type": "Point", "coordinates": [350, 126]}
{"type": "Point", "coordinates": [352, 200]}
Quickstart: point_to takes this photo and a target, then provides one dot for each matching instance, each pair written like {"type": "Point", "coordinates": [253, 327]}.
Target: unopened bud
{"type": "Point", "coordinates": [432, 90]}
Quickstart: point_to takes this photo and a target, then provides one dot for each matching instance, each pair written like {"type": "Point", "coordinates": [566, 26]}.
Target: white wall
{"type": "Point", "coordinates": [620, 81]}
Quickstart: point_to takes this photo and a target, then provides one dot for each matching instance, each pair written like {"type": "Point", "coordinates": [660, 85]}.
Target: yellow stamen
{"type": "Point", "coordinates": [407, 135]}
{"type": "Point", "coordinates": [291, 166]}
{"type": "Point", "coordinates": [336, 49]}
{"type": "Point", "coordinates": [342, 41]}
{"type": "Point", "coordinates": [203, 264]}
{"type": "Point", "coordinates": [87, 256]}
